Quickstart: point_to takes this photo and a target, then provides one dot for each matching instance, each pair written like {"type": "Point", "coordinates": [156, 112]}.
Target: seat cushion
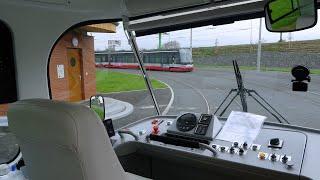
{"type": "Point", "coordinates": [135, 177]}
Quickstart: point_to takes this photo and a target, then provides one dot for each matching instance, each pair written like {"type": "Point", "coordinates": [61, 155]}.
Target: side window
{"type": "Point", "coordinates": [8, 90]}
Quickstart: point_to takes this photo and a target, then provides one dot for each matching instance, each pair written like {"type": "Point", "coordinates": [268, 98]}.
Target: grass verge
{"type": "Point", "coordinates": [277, 69]}
{"type": "Point", "coordinates": [109, 81]}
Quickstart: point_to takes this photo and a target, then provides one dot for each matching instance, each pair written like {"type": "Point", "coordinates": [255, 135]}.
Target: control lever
{"type": "Point", "coordinates": [126, 131]}
{"type": "Point", "coordinates": [205, 146]}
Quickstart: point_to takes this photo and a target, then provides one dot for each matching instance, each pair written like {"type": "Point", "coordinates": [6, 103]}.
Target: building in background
{"type": "Point", "coordinates": [72, 64]}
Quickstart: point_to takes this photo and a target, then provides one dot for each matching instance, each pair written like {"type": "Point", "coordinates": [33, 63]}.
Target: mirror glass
{"type": "Point", "coordinates": [98, 106]}
{"type": "Point", "coordinates": [290, 15]}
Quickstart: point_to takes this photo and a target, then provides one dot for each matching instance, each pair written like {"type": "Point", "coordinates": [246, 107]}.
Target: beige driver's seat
{"type": "Point", "coordinates": [64, 141]}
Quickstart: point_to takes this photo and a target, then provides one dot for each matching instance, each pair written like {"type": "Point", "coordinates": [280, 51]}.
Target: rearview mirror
{"type": "Point", "coordinates": [290, 15]}
{"type": "Point", "coordinates": [98, 106]}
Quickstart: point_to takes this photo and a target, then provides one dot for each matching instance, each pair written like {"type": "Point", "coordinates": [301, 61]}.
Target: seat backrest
{"type": "Point", "coordinates": [61, 140]}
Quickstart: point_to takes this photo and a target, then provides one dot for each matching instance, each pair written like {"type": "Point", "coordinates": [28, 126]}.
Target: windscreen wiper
{"type": "Point", "coordinates": [132, 40]}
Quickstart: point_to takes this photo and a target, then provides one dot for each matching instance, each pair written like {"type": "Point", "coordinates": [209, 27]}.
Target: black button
{"type": "Point", "coordinates": [205, 119]}
{"type": "Point", "coordinates": [235, 144]}
{"type": "Point", "coordinates": [275, 141]}
{"type": "Point", "coordinates": [231, 149]}
{"type": "Point", "coordinates": [241, 151]}
{"type": "Point", "coordinates": [201, 129]}
{"type": "Point", "coordinates": [245, 145]}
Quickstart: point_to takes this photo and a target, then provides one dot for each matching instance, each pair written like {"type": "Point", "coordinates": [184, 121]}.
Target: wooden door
{"type": "Point", "coordinates": [75, 74]}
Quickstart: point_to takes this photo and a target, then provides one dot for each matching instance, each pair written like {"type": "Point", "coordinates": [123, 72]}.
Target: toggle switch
{"type": "Point", "coordinates": [273, 157]}
{"type": "Point", "coordinates": [284, 159]}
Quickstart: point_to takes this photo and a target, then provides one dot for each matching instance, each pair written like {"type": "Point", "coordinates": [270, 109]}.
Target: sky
{"type": "Point", "coordinates": [240, 32]}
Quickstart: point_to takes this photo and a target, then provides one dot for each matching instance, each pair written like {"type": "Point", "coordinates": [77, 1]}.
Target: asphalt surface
{"type": "Point", "coordinates": [142, 104]}
{"type": "Point", "coordinates": [203, 90]}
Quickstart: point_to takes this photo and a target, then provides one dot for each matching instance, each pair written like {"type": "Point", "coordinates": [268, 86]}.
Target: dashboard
{"type": "Point", "coordinates": [279, 151]}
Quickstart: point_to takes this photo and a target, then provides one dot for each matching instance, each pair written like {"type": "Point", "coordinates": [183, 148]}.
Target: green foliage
{"type": "Point", "coordinates": [110, 81]}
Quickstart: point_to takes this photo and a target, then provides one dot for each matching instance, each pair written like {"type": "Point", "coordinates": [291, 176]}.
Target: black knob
{"type": "Point", "coordinates": [274, 141]}
{"type": "Point", "coordinates": [222, 148]}
{"type": "Point", "coordinates": [235, 144]}
{"type": "Point", "coordinates": [241, 151]}
{"type": "Point", "coordinates": [231, 150]}
{"type": "Point", "coordinates": [245, 145]}
{"type": "Point", "coordinates": [254, 147]}
{"type": "Point", "coordinates": [214, 146]}
{"type": "Point", "coordinates": [273, 157]}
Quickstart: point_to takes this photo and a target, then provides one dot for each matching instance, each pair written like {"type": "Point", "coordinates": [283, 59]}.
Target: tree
{"type": "Point", "coordinates": [172, 45]}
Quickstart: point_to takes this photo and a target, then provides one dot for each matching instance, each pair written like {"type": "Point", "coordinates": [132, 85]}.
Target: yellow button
{"type": "Point", "coordinates": [262, 155]}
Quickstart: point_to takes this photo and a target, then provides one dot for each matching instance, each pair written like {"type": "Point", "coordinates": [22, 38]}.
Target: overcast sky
{"type": "Point", "coordinates": [241, 32]}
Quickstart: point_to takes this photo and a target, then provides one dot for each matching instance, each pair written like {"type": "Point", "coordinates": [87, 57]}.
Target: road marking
{"type": "Point", "coordinates": [195, 89]}
{"type": "Point", "coordinates": [166, 110]}
{"type": "Point", "coordinates": [130, 91]}
{"type": "Point", "coordinates": [314, 93]}
{"type": "Point", "coordinates": [151, 106]}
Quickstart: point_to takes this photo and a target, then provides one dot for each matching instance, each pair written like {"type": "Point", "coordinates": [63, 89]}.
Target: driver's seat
{"type": "Point", "coordinates": [64, 141]}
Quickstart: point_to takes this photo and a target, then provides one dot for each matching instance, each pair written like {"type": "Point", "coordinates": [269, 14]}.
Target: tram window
{"type": "Point", "coordinates": [8, 92]}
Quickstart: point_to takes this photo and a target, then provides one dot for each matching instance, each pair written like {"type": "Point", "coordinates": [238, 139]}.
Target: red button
{"type": "Point", "coordinates": [155, 129]}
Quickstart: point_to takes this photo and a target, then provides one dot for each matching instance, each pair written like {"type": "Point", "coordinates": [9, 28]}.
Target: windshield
{"type": "Point", "coordinates": [191, 71]}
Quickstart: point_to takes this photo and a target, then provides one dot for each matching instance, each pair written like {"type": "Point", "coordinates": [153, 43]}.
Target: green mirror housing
{"type": "Point", "coordinates": [97, 105]}
{"type": "Point", "coordinates": [290, 15]}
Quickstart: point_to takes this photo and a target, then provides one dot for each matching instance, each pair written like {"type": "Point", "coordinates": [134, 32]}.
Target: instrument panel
{"type": "Point", "coordinates": [278, 151]}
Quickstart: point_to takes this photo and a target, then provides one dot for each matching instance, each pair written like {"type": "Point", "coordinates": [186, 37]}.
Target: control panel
{"type": "Point", "coordinates": [279, 150]}
{"type": "Point", "coordinates": [273, 149]}
{"type": "Point", "coordinates": [197, 126]}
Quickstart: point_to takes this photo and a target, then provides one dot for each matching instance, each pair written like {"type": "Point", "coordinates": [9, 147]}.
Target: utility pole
{"type": "Point", "coordinates": [159, 45]}
{"type": "Point", "coordinates": [259, 47]}
{"type": "Point", "coordinates": [191, 40]}
{"type": "Point", "coordinates": [290, 39]}
{"type": "Point", "coordinates": [281, 37]}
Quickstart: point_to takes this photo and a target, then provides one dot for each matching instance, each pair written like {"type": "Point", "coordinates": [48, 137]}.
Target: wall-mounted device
{"type": "Point", "coordinates": [195, 126]}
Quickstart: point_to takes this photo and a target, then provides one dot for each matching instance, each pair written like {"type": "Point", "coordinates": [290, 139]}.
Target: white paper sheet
{"type": "Point", "coordinates": [241, 127]}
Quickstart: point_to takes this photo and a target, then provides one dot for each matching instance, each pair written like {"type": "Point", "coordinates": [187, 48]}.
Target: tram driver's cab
{"type": "Point", "coordinates": [61, 140]}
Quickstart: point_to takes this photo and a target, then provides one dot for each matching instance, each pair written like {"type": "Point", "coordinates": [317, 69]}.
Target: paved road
{"type": "Point", "coordinates": [203, 90]}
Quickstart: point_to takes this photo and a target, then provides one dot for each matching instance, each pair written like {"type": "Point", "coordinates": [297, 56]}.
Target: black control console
{"type": "Point", "coordinates": [195, 126]}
